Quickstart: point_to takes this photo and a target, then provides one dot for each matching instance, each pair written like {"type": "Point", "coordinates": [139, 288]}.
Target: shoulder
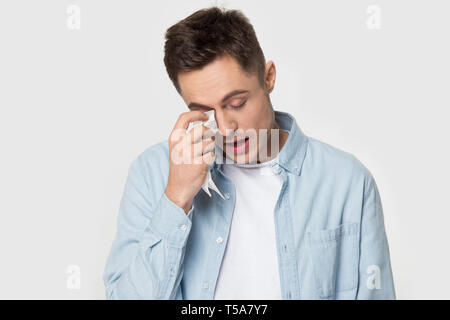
{"type": "Point", "coordinates": [152, 161]}
{"type": "Point", "coordinates": [156, 152]}
{"type": "Point", "coordinates": [326, 160]}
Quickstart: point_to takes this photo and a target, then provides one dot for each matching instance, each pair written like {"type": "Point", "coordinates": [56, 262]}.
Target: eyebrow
{"type": "Point", "coordinates": [224, 99]}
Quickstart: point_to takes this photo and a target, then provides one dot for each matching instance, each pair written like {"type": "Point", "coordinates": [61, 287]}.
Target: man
{"type": "Point", "coordinates": [301, 221]}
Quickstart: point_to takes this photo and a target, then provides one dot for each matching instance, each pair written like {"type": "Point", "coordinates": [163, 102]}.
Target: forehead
{"type": "Point", "coordinates": [211, 83]}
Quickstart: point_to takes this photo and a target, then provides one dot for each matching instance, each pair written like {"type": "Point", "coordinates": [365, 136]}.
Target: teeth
{"type": "Point", "coordinates": [236, 143]}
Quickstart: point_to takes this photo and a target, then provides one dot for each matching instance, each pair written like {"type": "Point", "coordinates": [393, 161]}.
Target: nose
{"type": "Point", "coordinates": [225, 123]}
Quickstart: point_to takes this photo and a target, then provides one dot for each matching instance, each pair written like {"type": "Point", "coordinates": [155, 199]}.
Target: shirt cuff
{"type": "Point", "coordinates": [171, 223]}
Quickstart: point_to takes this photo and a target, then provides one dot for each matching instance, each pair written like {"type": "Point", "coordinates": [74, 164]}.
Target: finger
{"type": "Point", "coordinates": [203, 147]}
{"type": "Point", "coordinates": [200, 133]}
{"type": "Point", "coordinates": [186, 117]}
{"type": "Point", "coordinates": [209, 157]}
{"type": "Point", "coordinates": [206, 159]}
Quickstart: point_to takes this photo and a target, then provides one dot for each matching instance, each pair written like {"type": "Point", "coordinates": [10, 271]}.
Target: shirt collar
{"type": "Point", "coordinates": [293, 152]}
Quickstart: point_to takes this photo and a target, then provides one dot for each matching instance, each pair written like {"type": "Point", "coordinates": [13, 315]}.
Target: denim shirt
{"type": "Point", "coordinates": [330, 234]}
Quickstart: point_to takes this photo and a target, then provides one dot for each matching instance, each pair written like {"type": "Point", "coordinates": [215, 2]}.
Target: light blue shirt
{"type": "Point", "coordinates": [329, 226]}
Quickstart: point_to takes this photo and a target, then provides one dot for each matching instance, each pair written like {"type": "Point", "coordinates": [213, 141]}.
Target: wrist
{"type": "Point", "coordinates": [180, 201]}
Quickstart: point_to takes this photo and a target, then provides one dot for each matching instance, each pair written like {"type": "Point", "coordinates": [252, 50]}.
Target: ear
{"type": "Point", "coordinates": [269, 76]}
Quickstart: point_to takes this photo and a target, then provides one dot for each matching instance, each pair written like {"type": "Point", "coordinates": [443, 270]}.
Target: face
{"type": "Point", "coordinates": [241, 106]}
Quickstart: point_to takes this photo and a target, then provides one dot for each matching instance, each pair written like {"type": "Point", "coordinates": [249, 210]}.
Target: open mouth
{"type": "Point", "coordinates": [238, 146]}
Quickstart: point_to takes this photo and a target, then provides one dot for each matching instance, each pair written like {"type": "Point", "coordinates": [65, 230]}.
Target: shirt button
{"type": "Point", "coordinates": [205, 285]}
{"type": "Point", "coordinates": [219, 240]}
{"type": "Point", "coordinates": [183, 227]}
{"type": "Point", "coordinates": [227, 196]}
{"type": "Point", "coordinates": [172, 273]}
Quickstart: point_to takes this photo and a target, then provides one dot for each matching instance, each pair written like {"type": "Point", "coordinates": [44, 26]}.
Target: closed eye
{"type": "Point", "coordinates": [240, 106]}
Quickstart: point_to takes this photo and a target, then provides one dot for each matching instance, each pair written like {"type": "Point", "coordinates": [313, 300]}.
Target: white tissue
{"type": "Point", "coordinates": [211, 124]}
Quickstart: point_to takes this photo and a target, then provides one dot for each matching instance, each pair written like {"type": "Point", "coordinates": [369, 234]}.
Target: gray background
{"type": "Point", "coordinates": [78, 105]}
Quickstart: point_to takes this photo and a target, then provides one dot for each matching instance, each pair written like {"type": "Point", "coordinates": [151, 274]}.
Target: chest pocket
{"type": "Point", "coordinates": [335, 255]}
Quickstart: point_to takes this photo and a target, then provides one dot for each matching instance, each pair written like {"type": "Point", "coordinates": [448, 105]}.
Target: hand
{"type": "Point", "coordinates": [190, 155]}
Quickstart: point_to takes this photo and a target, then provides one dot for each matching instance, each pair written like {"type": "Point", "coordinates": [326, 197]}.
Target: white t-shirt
{"type": "Point", "coordinates": [249, 268]}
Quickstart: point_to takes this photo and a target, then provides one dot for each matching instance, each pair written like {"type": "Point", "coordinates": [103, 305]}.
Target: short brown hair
{"type": "Point", "coordinates": [207, 34]}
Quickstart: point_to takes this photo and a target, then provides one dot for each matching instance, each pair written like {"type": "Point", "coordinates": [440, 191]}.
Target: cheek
{"type": "Point", "coordinates": [261, 115]}
{"type": "Point", "coordinates": [252, 122]}
{"type": "Point", "coordinates": [254, 116]}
